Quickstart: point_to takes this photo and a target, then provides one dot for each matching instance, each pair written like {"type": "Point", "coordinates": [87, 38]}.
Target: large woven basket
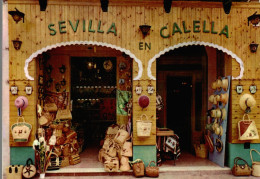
{"type": "Point", "coordinates": [144, 127]}
{"type": "Point", "coordinates": [201, 150]}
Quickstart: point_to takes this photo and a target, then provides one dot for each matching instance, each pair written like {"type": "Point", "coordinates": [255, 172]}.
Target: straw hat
{"type": "Point", "coordinates": [216, 113]}
{"type": "Point", "coordinates": [224, 98]}
{"type": "Point", "coordinates": [216, 99]}
{"type": "Point", "coordinates": [223, 113]}
{"type": "Point", "coordinates": [211, 98]}
{"type": "Point", "coordinates": [225, 84]}
{"type": "Point", "coordinates": [247, 101]}
{"type": "Point", "coordinates": [214, 85]}
{"type": "Point", "coordinates": [143, 101]}
{"type": "Point", "coordinates": [21, 102]}
{"type": "Point", "coordinates": [219, 84]}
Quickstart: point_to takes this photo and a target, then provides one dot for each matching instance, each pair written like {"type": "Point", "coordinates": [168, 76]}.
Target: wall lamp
{"type": "Point", "coordinates": [253, 47]}
{"type": "Point", "coordinates": [104, 5]}
{"type": "Point", "coordinates": [167, 4]}
{"type": "Point", "coordinates": [17, 44]}
{"type": "Point", "coordinates": [145, 29]}
{"type": "Point", "coordinates": [43, 4]}
{"type": "Point", "coordinates": [254, 19]}
{"type": "Point", "coordinates": [17, 15]}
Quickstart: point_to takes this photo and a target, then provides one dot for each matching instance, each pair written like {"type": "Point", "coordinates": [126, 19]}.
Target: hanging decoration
{"type": "Point", "coordinates": [138, 89]}
{"type": "Point", "coordinates": [62, 69]}
{"type": "Point", "coordinates": [21, 103]}
{"type": "Point", "coordinates": [14, 89]}
{"type": "Point", "coordinates": [239, 88]}
{"type": "Point", "coordinates": [28, 89]}
{"type": "Point", "coordinates": [150, 88]}
{"type": "Point", "coordinates": [252, 88]}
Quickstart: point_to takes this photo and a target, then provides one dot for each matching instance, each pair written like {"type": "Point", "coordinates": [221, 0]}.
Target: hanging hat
{"type": "Point", "coordinates": [214, 85]}
{"type": "Point", "coordinates": [224, 98]}
{"type": "Point", "coordinates": [21, 102]}
{"type": "Point", "coordinates": [225, 84]}
{"type": "Point", "coordinates": [219, 84]}
{"type": "Point", "coordinates": [223, 113]}
{"type": "Point", "coordinates": [211, 98]}
{"type": "Point", "coordinates": [247, 101]}
{"type": "Point", "coordinates": [143, 101]}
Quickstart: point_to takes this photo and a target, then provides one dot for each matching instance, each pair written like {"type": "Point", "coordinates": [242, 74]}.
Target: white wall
{"type": "Point", "coordinates": [5, 90]}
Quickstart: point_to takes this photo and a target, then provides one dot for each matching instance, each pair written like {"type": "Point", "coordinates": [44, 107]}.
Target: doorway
{"type": "Point", "coordinates": [179, 101]}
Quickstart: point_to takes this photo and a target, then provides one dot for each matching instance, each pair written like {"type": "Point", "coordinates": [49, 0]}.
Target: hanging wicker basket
{"type": "Point", "coordinates": [144, 127]}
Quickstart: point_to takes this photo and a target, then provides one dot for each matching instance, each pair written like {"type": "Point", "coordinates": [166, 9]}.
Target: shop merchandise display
{"type": "Point", "coordinates": [215, 136]}
{"type": "Point", "coordinates": [116, 149]}
{"type": "Point", "coordinates": [242, 169]}
{"type": "Point", "coordinates": [255, 164]}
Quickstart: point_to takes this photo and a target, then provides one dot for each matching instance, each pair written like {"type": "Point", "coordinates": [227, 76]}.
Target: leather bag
{"type": "Point", "coordinates": [247, 129]}
{"type": "Point", "coordinates": [127, 149]}
{"type": "Point", "coordinates": [63, 114]}
{"type": "Point", "coordinates": [152, 171]}
{"type": "Point", "coordinates": [241, 169]}
{"type": "Point", "coordinates": [29, 169]}
{"type": "Point", "coordinates": [51, 107]}
{"type": "Point", "coordinates": [255, 164]}
{"type": "Point", "coordinates": [138, 168]}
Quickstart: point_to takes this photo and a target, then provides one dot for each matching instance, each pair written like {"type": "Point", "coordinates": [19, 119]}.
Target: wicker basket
{"type": "Point", "coordinates": [201, 150]}
{"type": "Point", "coordinates": [144, 127]}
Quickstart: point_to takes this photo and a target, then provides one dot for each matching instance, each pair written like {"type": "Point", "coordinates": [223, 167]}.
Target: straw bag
{"type": "Point", "coordinates": [14, 172]}
{"type": "Point", "coordinates": [50, 105]}
{"type": "Point", "coordinates": [201, 150]}
{"type": "Point", "coordinates": [63, 114]}
{"type": "Point", "coordinates": [29, 169]}
{"type": "Point", "coordinates": [65, 161]}
{"type": "Point", "coordinates": [54, 163]}
{"type": "Point", "coordinates": [74, 159]}
{"type": "Point", "coordinates": [255, 165]}
{"type": "Point", "coordinates": [138, 167]}
{"type": "Point", "coordinates": [143, 127]}
{"type": "Point", "coordinates": [111, 165]}
{"type": "Point", "coordinates": [127, 149]}
{"type": "Point", "coordinates": [121, 136]}
{"type": "Point", "coordinates": [247, 129]}
{"type": "Point", "coordinates": [21, 130]}
{"type": "Point", "coordinates": [152, 171]}
{"type": "Point", "coordinates": [45, 119]}
{"type": "Point", "coordinates": [241, 169]}
{"type": "Point", "coordinates": [124, 164]}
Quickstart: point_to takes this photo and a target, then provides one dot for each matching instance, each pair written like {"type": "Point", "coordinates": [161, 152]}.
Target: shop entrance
{"type": "Point", "coordinates": [179, 99]}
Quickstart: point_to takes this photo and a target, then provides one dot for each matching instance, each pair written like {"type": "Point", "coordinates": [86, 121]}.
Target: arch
{"type": "Point", "coordinates": [150, 62]}
{"type": "Point", "coordinates": [35, 54]}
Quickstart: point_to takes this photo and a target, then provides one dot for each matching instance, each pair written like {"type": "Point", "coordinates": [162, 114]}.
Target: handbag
{"type": "Point", "coordinates": [55, 162]}
{"type": "Point", "coordinates": [14, 172]}
{"type": "Point", "coordinates": [144, 127]}
{"type": "Point", "coordinates": [65, 161]}
{"type": "Point", "coordinates": [45, 119]}
{"type": "Point", "coordinates": [21, 130]}
{"type": "Point", "coordinates": [247, 129]}
{"type": "Point", "coordinates": [74, 159]}
{"type": "Point", "coordinates": [111, 151]}
{"type": "Point", "coordinates": [63, 114]}
{"type": "Point", "coordinates": [111, 165]}
{"type": "Point", "coordinates": [124, 164]}
{"type": "Point", "coordinates": [29, 169]}
{"type": "Point", "coordinates": [152, 171]}
{"type": "Point", "coordinates": [50, 105]}
{"type": "Point", "coordinates": [138, 167]}
{"type": "Point", "coordinates": [241, 169]}
{"type": "Point", "coordinates": [127, 149]}
{"type": "Point", "coordinates": [255, 164]}
{"type": "Point", "coordinates": [112, 129]}
{"type": "Point", "coordinates": [121, 136]}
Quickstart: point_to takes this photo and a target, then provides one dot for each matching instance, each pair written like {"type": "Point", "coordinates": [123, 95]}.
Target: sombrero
{"type": "Point", "coordinates": [211, 98]}
{"type": "Point", "coordinates": [214, 85]}
{"type": "Point", "coordinates": [219, 84]}
{"type": "Point", "coordinates": [223, 113]}
{"type": "Point", "coordinates": [247, 101]}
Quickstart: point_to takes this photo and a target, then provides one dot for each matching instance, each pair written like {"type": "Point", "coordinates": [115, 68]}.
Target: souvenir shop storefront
{"type": "Point", "coordinates": [97, 84]}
